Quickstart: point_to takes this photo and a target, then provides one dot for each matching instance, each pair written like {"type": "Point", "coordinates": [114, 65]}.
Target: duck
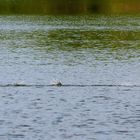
{"type": "Point", "coordinates": [21, 83]}
{"type": "Point", "coordinates": [57, 83]}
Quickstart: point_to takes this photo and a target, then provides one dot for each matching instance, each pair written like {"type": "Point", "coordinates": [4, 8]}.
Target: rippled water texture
{"type": "Point", "coordinates": [97, 59]}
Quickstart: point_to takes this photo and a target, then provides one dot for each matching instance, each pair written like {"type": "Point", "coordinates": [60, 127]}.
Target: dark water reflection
{"type": "Point", "coordinates": [69, 6]}
{"type": "Point", "coordinates": [80, 50]}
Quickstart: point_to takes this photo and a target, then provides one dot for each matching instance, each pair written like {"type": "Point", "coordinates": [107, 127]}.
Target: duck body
{"type": "Point", "coordinates": [57, 83]}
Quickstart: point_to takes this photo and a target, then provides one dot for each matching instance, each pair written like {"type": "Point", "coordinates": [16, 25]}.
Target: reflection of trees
{"type": "Point", "coordinates": [68, 6]}
{"type": "Point", "coordinates": [117, 44]}
{"type": "Point", "coordinates": [91, 39]}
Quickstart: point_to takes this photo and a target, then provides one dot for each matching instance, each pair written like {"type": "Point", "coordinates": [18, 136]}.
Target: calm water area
{"type": "Point", "coordinates": [97, 59]}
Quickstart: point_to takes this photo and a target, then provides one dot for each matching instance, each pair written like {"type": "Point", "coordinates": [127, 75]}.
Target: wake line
{"type": "Point", "coordinates": [67, 85]}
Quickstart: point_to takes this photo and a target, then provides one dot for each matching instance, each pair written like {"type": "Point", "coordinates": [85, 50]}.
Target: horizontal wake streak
{"type": "Point", "coordinates": [67, 85]}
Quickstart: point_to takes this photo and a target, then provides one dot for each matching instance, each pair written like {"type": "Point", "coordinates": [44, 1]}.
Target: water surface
{"type": "Point", "coordinates": [97, 56]}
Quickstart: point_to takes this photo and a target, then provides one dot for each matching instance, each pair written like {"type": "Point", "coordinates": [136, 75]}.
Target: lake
{"type": "Point", "coordinates": [97, 59]}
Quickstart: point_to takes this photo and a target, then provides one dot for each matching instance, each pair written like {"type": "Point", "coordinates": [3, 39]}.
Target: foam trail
{"type": "Point", "coordinates": [68, 85]}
